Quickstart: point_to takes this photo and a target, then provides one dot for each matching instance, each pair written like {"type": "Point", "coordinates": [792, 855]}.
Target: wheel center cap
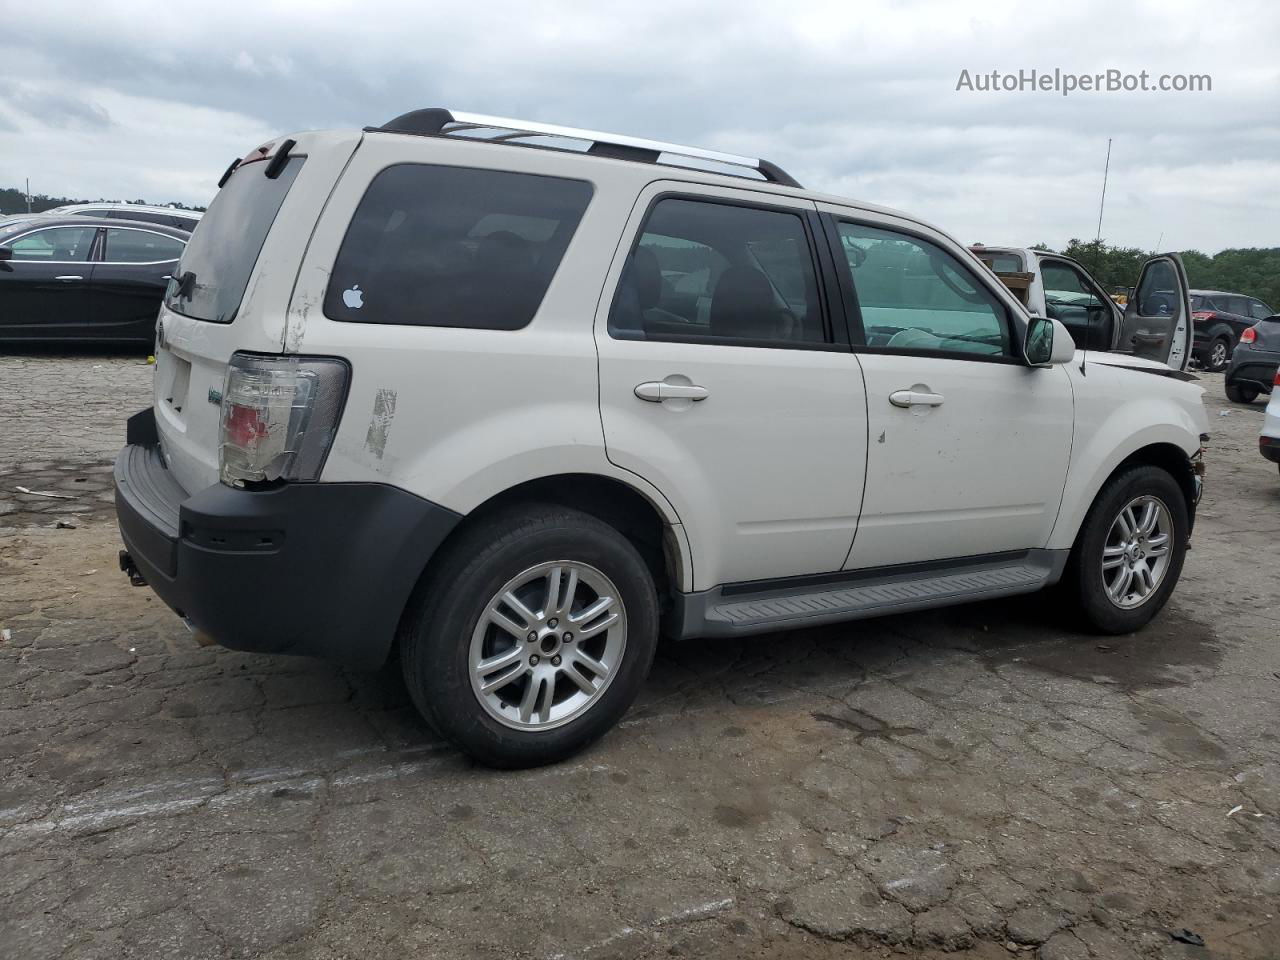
{"type": "Point", "coordinates": [549, 642]}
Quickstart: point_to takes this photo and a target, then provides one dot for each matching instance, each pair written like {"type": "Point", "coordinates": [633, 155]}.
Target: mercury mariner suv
{"type": "Point", "coordinates": [514, 399]}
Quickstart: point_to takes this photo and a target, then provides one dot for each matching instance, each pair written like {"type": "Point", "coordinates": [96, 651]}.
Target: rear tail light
{"type": "Point", "coordinates": [1203, 314]}
{"type": "Point", "coordinates": [1249, 335]}
{"type": "Point", "coordinates": [1277, 379]}
{"type": "Point", "coordinates": [279, 416]}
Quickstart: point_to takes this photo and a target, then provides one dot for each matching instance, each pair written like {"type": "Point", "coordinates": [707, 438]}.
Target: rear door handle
{"type": "Point", "coordinates": [69, 278]}
{"type": "Point", "coordinates": [915, 398]}
{"type": "Point", "coordinates": [655, 391]}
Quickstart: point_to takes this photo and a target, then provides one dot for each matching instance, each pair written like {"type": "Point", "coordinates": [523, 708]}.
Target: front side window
{"type": "Point", "coordinates": [712, 272]}
{"type": "Point", "coordinates": [1071, 299]}
{"type": "Point", "coordinates": [453, 247]}
{"type": "Point", "coordinates": [140, 246]}
{"type": "Point", "coordinates": [914, 296]}
{"type": "Point", "coordinates": [56, 245]}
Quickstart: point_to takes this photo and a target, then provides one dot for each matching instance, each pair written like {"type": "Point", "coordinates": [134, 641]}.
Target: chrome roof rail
{"type": "Point", "coordinates": [436, 121]}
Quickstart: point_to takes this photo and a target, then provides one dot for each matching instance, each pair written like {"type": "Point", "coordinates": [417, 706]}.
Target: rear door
{"type": "Point", "coordinates": [1157, 319]}
{"type": "Point", "coordinates": [44, 287]}
{"type": "Point", "coordinates": [232, 288]}
{"type": "Point", "coordinates": [129, 281]}
{"type": "Point", "coordinates": [723, 385]}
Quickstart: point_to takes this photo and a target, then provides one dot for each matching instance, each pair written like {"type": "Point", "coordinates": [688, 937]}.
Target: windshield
{"type": "Point", "coordinates": [214, 271]}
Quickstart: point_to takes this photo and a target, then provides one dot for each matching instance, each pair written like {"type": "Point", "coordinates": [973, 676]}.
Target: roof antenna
{"type": "Point", "coordinates": [1097, 249]}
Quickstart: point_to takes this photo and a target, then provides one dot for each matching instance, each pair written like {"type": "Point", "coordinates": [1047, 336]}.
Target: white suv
{"type": "Point", "coordinates": [518, 398]}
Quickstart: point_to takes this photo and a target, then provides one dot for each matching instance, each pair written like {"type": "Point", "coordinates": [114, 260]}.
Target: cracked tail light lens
{"type": "Point", "coordinates": [279, 417]}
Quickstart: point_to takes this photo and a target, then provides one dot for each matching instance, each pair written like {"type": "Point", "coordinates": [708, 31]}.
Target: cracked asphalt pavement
{"type": "Point", "coordinates": [981, 780]}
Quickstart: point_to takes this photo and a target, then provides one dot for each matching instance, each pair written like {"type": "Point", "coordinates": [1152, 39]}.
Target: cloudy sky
{"type": "Point", "coordinates": [152, 100]}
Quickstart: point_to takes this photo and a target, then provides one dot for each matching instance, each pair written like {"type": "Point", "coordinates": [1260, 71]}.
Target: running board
{"type": "Point", "coordinates": [746, 608]}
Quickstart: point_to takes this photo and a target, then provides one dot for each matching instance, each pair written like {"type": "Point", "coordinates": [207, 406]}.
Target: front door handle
{"type": "Point", "coordinates": [915, 398]}
{"type": "Point", "coordinates": [69, 278]}
{"type": "Point", "coordinates": [655, 391]}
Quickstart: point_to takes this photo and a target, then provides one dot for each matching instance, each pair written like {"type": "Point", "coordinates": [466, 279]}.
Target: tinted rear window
{"type": "Point", "coordinates": [211, 278]}
{"type": "Point", "coordinates": [453, 247]}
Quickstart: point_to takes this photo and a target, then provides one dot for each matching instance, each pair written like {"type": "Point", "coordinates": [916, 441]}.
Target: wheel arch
{"type": "Point", "coordinates": [661, 544]}
{"type": "Point", "coordinates": [1162, 453]}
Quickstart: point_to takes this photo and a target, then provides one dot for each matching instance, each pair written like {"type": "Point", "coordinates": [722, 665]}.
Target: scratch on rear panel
{"type": "Point", "coordinates": [384, 411]}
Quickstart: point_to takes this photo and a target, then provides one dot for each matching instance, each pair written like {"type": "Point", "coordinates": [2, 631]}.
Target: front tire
{"type": "Point", "coordinates": [1129, 553]}
{"type": "Point", "coordinates": [1240, 393]}
{"type": "Point", "coordinates": [531, 635]}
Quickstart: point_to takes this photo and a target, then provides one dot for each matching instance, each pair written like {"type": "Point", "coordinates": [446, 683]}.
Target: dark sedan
{"type": "Point", "coordinates": [78, 278]}
{"type": "Point", "coordinates": [1255, 361]}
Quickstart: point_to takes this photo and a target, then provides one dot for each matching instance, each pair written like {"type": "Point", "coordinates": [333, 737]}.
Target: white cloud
{"type": "Point", "coordinates": [853, 98]}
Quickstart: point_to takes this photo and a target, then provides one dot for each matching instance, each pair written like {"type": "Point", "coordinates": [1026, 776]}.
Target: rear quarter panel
{"type": "Point", "coordinates": [458, 415]}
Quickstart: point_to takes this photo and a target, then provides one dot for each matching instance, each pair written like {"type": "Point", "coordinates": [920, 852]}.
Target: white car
{"type": "Point", "coordinates": [141, 212]}
{"type": "Point", "coordinates": [1269, 440]}
{"type": "Point", "coordinates": [518, 397]}
{"type": "Point", "coordinates": [1054, 285]}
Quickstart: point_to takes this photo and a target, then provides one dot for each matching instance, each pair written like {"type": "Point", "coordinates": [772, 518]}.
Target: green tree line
{"type": "Point", "coordinates": [1253, 271]}
{"type": "Point", "coordinates": [13, 200]}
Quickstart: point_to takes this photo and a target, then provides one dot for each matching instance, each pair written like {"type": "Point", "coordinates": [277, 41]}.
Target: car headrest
{"type": "Point", "coordinates": [743, 305]}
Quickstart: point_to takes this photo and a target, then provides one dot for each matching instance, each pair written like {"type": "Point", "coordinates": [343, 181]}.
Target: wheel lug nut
{"type": "Point", "coordinates": [568, 638]}
{"type": "Point", "coordinates": [533, 635]}
{"type": "Point", "coordinates": [552, 623]}
{"type": "Point", "coordinates": [533, 661]}
{"type": "Point", "coordinates": [555, 661]}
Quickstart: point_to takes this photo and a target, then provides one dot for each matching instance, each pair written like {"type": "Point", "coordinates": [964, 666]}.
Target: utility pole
{"type": "Point", "coordinates": [1105, 170]}
{"type": "Point", "coordinates": [28, 194]}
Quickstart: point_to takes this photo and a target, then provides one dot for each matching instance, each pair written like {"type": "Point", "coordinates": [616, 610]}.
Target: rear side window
{"type": "Point", "coordinates": [453, 247]}
{"type": "Point", "coordinates": [215, 269]}
{"type": "Point", "coordinates": [140, 246]}
{"type": "Point", "coordinates": [720, 273]}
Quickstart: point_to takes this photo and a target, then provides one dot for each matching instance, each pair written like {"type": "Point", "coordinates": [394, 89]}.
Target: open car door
{"type": "Point", "coordinates": [1157, 318]}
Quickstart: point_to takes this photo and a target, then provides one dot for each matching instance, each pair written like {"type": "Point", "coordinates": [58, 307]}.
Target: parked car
{"type": "Point", "coordinates": [1056, 286]}
{"type": "Point", "coordinates": [1255, 361]}
{"type": "Point", "coordinates": [1220, 320]}
{"type": "Point", "coordinates": [80, 278]}
{"type": "Point", "coordinates": [165, 216]}
{"type": "Point", "coordinates": [1269, 441]}
{"type": "Point", "coordinates": [517, 410]}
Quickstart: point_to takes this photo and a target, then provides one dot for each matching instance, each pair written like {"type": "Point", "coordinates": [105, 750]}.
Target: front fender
{"type": "Point", "coordinates": [1113, 424]}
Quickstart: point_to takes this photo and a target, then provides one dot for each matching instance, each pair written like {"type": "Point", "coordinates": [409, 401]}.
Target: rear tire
{"type": "Point", "coordinates": [1119, 580]}
{"type": "Point", "coordinates": [507, 700]}
{"type": "Point", "coordinates": [1218, 355]}
{"type": "Point", "coordinates": [1240, 393]}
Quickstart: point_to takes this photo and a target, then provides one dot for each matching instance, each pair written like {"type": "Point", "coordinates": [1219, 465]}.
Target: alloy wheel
{"type": "Point", "coordinates": [548, 645]}
{"type": "Point", "coordinates": [1135, 557]}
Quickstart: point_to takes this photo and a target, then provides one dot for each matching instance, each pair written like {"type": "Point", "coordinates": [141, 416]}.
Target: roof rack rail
{"type": "Point", "coordinates": [437, 121]}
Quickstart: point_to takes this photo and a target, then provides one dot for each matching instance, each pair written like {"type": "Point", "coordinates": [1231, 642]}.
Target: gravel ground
{"type": "Point", "coordinates": [981, 780]}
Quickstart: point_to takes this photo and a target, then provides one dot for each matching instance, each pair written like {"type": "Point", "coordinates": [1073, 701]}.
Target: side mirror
{"type": "Point", "coordinates": [1048, 343]}
{"type": "Point", "coordinates": [6, 253]}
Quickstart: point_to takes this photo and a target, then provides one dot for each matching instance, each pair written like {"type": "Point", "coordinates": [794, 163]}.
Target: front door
{"type": "Point", "coordinates": [1157, 318]}
{"type": "Point", "coordinates": [722, 384]}
{"type": "Point", "coordinates": [968, 447]}
{"type": "Point", "coordinates": [44, 287]}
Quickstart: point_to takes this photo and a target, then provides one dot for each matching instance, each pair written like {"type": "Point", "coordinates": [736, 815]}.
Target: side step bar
{"type": "Point", "coordinates": [739, 609]}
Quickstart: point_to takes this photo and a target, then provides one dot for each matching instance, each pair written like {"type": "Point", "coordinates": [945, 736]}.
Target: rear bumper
{"type": "Point", "coordinates": [1253, 367]}
{"type": "Point", "coordinates": [321, 569]}
{"type": "Point", "coordinates": [1269, 447]}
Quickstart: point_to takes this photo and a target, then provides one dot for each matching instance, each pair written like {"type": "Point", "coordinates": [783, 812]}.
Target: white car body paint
{"type": "Point", "coordinates": [795, 464]}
